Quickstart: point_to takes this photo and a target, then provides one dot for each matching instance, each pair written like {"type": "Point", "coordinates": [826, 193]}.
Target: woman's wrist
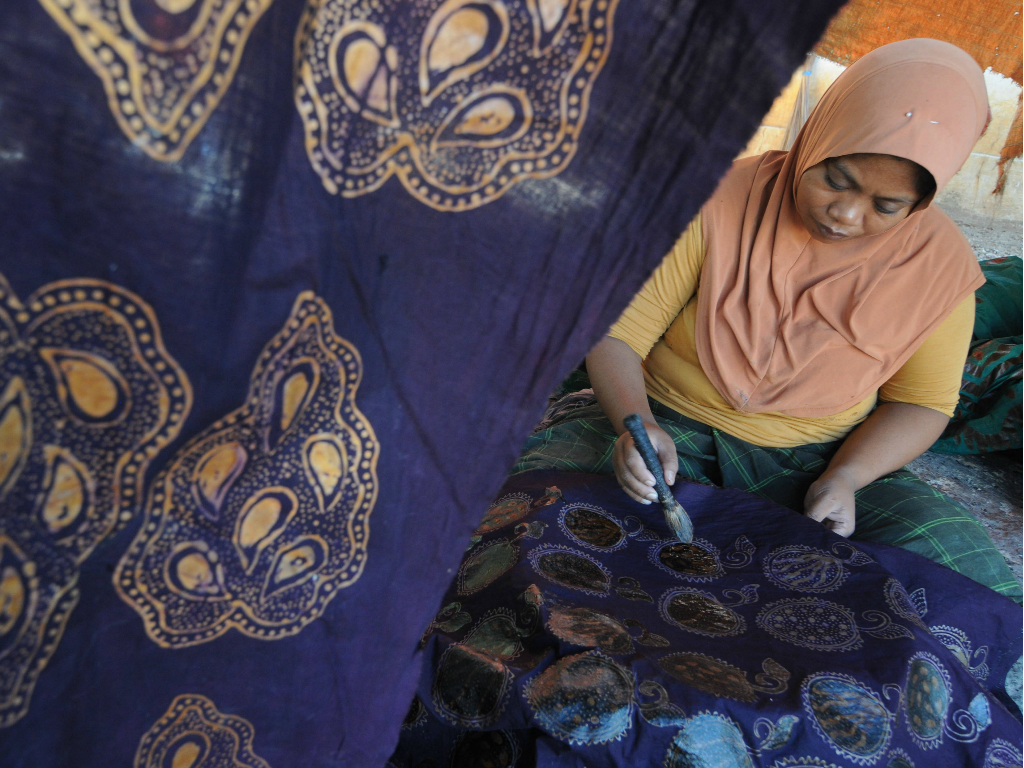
{"type": "Point", "coordinates": [844, 474]}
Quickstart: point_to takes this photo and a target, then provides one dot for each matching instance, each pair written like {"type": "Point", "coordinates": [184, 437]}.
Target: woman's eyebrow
{"type": "Point", "coordinates": [901, 200]}
{"type": "Point", "coordinates": [839, 166]}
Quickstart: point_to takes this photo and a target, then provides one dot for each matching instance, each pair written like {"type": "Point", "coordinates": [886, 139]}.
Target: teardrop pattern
{"type": "Point", "coordinates": [68, 491]}
{"type": "Point", "coordinates": [214, 475]}
{"type": "Point", "coordinates": [296, 564]}
{"type": "Point", "coordinates": [188, 751]}
{"type": "Point", "coordinates": [194, 571]}
{"type": "Point", "coordinates": [293, 391]}
{"type": "Point", "coordinates": [19, 588]}
{"type": "Point", "coordinates": [15, 431]}
{"type": "Point", "coordinates": [492, 118]}
{"type": "Point", "coordinates": [91, 388]}
{"type": "Point", "coordinates": [549, 21]}
{"type": "Point", "coordinates": [461, 38]}
{"type": "Point", "coordinates": [363, 67]}
{"type": "Point", "coordinates": [325, 460]}
{"type": "Point", "coordinates": [263, 518]}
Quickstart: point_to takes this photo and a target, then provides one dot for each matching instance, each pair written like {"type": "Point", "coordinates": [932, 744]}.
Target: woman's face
{"type": "Point", "coordinates": [856, 195]}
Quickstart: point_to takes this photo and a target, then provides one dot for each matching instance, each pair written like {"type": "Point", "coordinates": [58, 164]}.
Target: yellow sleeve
{"type": "Point", "coordinates": [664, 294]}
{"type": "Point", "coordinates": [931, 376]}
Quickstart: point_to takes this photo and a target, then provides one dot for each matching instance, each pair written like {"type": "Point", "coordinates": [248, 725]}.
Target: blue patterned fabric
{"type": "Point", "coordinates": [577, 631]}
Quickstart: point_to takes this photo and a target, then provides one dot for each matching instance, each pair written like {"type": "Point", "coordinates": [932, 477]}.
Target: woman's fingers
{"type": "Point", "coordinates": [832, 504]}
{"type": "Point", "coordinates": [666, 452]}
{"type": "Point", "coordinates": [630, 471]}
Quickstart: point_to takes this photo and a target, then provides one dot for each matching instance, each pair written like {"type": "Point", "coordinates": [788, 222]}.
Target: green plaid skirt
{"type": "Point", "coordinates": [898, 509]}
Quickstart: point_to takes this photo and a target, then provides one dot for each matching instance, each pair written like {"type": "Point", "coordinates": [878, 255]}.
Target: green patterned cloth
{"type": "Point", "coordinates": [988, 415]}
{"type": "Point", "coordinates": [898, 509]}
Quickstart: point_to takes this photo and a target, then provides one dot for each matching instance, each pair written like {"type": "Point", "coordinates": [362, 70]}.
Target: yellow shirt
{"type": "Point", "coordinates": [659, 326]}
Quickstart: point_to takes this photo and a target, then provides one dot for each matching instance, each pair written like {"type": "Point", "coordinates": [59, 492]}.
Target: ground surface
{"type": "Point", "coordinates": [988, 485]}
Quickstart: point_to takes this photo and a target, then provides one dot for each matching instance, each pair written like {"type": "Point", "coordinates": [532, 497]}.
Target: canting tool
{"type": "Point", "coordinates": [675, 515]}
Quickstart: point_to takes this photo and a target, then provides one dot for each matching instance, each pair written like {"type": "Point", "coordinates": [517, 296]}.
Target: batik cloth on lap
{"type": "Point", "coordinates": [898, 509]}
{"type": "Point", "coordinates": [578, 631]}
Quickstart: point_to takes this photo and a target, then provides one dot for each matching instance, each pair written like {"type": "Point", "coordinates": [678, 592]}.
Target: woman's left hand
{"type": "Point", "coordinates": [830, 501]}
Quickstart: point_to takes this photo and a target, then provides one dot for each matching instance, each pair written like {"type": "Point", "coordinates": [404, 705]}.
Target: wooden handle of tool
{"type": "Point", "coordinates": [643, 444]}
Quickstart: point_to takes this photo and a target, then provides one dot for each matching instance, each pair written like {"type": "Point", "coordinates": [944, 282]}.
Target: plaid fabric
{"type": "Point", "coordinates": [898, 509]}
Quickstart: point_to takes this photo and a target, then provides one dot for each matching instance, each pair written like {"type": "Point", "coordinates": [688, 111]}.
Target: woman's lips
{"type": "Point", "coordinates": [830, 234]}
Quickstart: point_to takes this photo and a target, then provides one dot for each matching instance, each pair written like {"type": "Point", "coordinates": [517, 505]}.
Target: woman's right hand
{"type": "Point", "coordinates": [629, 466]}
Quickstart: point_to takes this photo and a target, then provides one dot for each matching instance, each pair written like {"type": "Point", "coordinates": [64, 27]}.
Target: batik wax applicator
{"type": "Point", "coordinates": [675, 515]}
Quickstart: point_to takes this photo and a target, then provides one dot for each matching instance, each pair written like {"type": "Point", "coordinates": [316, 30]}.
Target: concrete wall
{"type": "Point", "coordinates": [970, 190]}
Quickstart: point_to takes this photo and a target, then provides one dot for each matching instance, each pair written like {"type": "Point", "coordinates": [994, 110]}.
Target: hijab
{"type": "Point", "coordinates": [790, 324]}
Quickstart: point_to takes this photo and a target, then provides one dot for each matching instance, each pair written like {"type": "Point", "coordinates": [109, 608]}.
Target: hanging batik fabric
{"type": "Point", "coordinates": [285, 284]}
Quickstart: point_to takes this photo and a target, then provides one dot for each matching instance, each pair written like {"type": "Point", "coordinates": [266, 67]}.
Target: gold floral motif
{"type": "Point", "coordinates": [88, 397]}
{"type": "Point", "coordinates": [460, 99]}
{"type": "Point", "coordinates": [165, 64]}
{"type": "Point", "coordinates": [258, 521]}
{"type": "Point", "coordinates": [194, 734]}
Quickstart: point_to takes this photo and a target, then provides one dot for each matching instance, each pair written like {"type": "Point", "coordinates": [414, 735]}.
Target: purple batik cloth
{"type": "Point", "coordinates": [578, 631]}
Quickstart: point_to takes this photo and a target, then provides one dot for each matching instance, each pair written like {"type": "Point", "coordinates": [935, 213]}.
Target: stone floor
{"type": "Point", "coordinates": [988, 485]}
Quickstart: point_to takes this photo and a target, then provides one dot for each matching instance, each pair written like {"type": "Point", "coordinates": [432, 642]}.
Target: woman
{"type": "Point", "coordinates": [804, 339]}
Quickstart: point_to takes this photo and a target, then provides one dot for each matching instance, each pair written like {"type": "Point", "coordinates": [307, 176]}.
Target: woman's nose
{"type": "Point", "coordinates": [845, 212]}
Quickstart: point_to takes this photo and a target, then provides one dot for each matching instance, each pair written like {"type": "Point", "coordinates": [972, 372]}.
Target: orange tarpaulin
{"type": "Point", "coordinates": [989, 30]}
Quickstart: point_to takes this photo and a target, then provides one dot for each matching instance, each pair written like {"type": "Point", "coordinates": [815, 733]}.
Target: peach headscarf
{"type": "Point", "coordinates": [786, 323]}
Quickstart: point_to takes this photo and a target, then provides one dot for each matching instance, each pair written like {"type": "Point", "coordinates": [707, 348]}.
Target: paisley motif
{"type": "Point", "coordinates": [484, 564]}
{"type": "Point", "coordinates": [926, 699]}
{"type": "Point", "coordinates": [778, 733]}
{"type": "Point", "coordinates": [580, 625]}
{"type": "Point", "coordinates": [571, 568]}
{"type": "Point", "coordinates": [194, 734]}
{"type": "Point", "coordinates": [721, 679]}
{"type": "Point", "coordinates": [472, 681]}
{"type": "Point", "coordinates": [700, 612]}
{"type": "Point", "coordinates": [959, 644]}
{"type": "Point", "coordinates": [88, 398]}
{"type": "Point", "coordinates": [697, 561]}
{"type": "Point", "coordinates": [708, 740]}
{"type": "Point", "coordinates": [507, 510]}
{"type": "Point", "coordinates": [1002, 754]}
{"type": "Point", "coordinates": [260, 519]}
{"type": "Point", "coordinates": [592, 527]}
{"type": "Point", "coordinates": [812, 623]}
{"type": "Point", "coordinates": [629, 588]}
{"type": "Point", "coordinates": [459, 99]}
{"type": "Point", "coordinates": [803, 762]}
{"type": "Point", "coordinates": [804, 569]}
{"type": "Point", "coordinates": [903, 605]}
{"type": "Point", "coordinates": [583, 699]}
{"type": "Point", "coordinates": [661, 712]}
{"type": "Point", "coordinates": [849, 716]}
{"type": "Point", "coordinates": [496, 749]}
{"type": "Point", "coordinates": [164, 64]}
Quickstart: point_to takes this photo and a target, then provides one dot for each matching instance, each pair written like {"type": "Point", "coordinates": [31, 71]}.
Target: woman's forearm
{"type": "Point", "coordinates": [894, 435]}
{"type": "Point", "coordinates": [618, 381]}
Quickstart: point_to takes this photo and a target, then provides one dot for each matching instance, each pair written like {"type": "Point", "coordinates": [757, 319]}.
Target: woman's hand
{"type": "Point", "coordinates": [830, 501]}
{"type": "Point", "coordinates": [893, 435]}
{"type": "Point", "coordinates": [629, 466]}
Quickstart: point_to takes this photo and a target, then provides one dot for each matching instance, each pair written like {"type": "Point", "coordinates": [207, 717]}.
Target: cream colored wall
{"type": "Point", "coordinates": [970, 190]}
